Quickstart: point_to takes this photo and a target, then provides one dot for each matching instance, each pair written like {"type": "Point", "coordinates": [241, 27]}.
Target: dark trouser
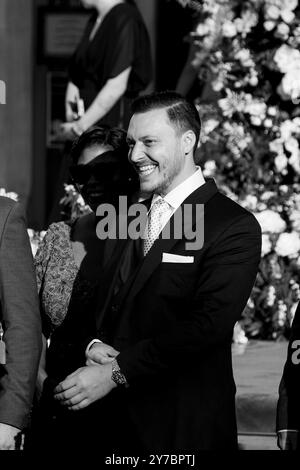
{"type": "Point", "coordinates": [102, 426]}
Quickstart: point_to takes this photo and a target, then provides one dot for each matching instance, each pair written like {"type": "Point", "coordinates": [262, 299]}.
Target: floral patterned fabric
{"type": "Point", "coordinates": [59, 278]}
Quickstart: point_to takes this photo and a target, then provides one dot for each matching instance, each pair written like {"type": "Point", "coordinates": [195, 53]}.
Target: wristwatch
{"type": "Point", "coordinates": [117, 375]}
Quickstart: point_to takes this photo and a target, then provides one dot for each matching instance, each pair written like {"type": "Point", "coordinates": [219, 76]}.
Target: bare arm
{"type": "Point", "coordinates": [102, 104]}
{"type": "Point", "coordinates": [72, 96]}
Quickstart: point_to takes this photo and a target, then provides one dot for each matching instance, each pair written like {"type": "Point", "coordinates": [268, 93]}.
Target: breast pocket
{"type": "Point", "coordinates": [177, 279]}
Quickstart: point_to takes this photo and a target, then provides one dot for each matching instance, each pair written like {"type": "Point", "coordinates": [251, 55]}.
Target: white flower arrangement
{"type": "Point", "coordinates": [34, 236]}
{"type": "Point", "coordinates": [11, 195]}
{"type": "Point", "coordinates": [72, 204]}
{"type": "Point", "coordinates": [270, 221]}
{"type": "Point", "coordinates": [288, 244]}
{"type": "Point", "coordinates": [251, 138]}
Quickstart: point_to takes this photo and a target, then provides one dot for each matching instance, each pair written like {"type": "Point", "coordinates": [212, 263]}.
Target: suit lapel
{"type": "Point", "coordinates": [112, 261]}
{"type": "Point", "coordinates": [154, 256]}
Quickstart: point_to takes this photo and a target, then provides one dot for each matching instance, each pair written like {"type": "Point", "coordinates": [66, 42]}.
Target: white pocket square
{"type": "Point", "coordinates": [171, 258]}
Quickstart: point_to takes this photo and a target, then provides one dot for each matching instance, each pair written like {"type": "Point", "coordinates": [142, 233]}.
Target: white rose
{"type": "Point", "coordinates": [283, 188]}
{"type": "Point", "coordinates": [287, 128]}
{"type": "Point", "coordinates": [267, 195]}
{"type": "Point", "coordinates": [283, 30]}
{"type": "Point", "coordinates": [269, 25]}
{"type": "Point", "coordinates": [295, 220]}
{"type": "Point", "coordinates": [288, 244]}
{"type": "Point", "coordinates": [268, 123]}
{"type": "Point", "coordinates": [294, 160]}
{"type": "Point", "coordinates": [217, 85]}
{"type": "Point", "coordinates": [266, 246]}
{"type": "Point", "coordinates": [281, 162]}
{"type": "Point", "coordinates": [287, 4]}
{"type": "Point", "coordinates": [42, 234]}
{"type": "Point", "coordinates": [255, 120]}
{"type": "Point", "coordinates": [202, 29]}
{"type": "Point", "coordinates": [287, 16]}
{"type": "Point", "coordinates": [270, 221]}
{"type": "Point", "coordinates": [210, 125]}
{"type": "Point", "coordinates": [272, 111]}
{"type": "Point", "coordinates": [226, 107]}
{"type": "Point", "coordinates": [34, 247]}
{"type": "Point", "coordinates": [239, 336]}
{"type": "Point", "coordinates": [261, 206]}
{"type": "Point", "coordinates": [291, 83]}
{"type": "Point", "coordinates": [246, 22]}
{"type": "Point", "coordinates": [253, 80]}
{"type": "Point", "coordinates": [271, 296]}
{"type": "Point", "coordinates": [286, 57]}
{"type": "Point", "coordinates": [209, 168]}
{"type": "Point", "coordinates": [10, 195]}
{"type": "Point", "coordinates": [30, 232]}
{"type": "Point", "coordinates": [256, 109]}
{"type": "Point", "coordinates": [229, 29]}
{"type": "Point", "coordinates": [250, 202]}
{"type": "Point", "coordinates": [272, 12]}
{"type": "Point", "coordinates": [282, 314]}
{"type": "Point", "coordinates": [292, 145]}
{"type": "Point", "coordinates": [244, 56]}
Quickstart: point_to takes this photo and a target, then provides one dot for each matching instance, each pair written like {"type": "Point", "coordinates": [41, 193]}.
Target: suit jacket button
{"type": "Point", "coordinates": [114, 308]}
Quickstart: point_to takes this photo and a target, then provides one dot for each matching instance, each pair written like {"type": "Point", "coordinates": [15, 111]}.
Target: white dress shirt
{"type": "Point", "coordinates": [176, 197]}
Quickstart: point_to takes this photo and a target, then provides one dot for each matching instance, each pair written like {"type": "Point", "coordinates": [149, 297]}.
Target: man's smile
{"type": "Point", "coordinates": [145, 170]}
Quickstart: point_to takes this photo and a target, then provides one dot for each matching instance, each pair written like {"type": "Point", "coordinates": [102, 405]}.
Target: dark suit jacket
{"type": "Point", "coordinates": [288, 406]}
{"type": "Point", "coordinates": [19, 315]}
{"type": "Point", "coordinates": [173, 326]}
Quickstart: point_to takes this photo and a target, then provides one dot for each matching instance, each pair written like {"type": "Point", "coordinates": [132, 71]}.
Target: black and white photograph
{"type": "Point", "coordinates": [149, 229]}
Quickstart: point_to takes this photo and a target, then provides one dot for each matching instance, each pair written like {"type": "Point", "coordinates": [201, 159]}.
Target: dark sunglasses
{"type": "Point", "coordinates": [100, 168]}
{"type": "Point", "coordinates": [108, 167]}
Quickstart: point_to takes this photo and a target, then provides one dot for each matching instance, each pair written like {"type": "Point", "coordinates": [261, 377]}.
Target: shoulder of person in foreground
{"type": "Point", "coordinates": [20, 317]}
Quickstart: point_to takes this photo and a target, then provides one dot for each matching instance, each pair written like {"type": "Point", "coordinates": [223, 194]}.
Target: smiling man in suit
{"type": "Point", "coordinates": [20, 336]}
{"type": "Point", "coordinates": [169, 306]}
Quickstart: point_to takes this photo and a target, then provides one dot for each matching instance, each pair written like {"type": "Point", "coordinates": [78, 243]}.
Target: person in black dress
{"type": "Point", "coordinates": [109, 68]}
{"type": "Point", "coordinates": [68, 265]}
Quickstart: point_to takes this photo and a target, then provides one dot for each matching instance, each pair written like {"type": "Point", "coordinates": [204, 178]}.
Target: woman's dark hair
{"type": "Point", "coordinates": [181, 112]}
{"type": "Point", "coordinates": [99, 135]}
{"type": "Point", "coordinates": [125, 179]}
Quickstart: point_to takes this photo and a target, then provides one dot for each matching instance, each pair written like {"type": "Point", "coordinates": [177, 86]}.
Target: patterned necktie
{"type": "Point", "coordinates": [155, 222]}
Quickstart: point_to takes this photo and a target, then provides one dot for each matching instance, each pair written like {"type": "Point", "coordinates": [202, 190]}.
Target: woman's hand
{"type": "Point", "coordinates": [70, 130]}
{"type": "Point", "coordinates": [72, 98]}
{"type": "Point", "coordinates": [100, 353]}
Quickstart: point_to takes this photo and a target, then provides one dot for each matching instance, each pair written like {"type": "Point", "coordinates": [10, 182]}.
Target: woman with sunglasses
{"type": "Point", "coordinates": [68, 266]}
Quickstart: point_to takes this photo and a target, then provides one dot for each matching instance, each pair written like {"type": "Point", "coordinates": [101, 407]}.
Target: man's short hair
{"type": "Point", "coordinates": [181, 112]}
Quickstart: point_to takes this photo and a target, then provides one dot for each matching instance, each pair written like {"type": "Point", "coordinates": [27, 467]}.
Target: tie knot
{"type": "Point", "coordinates": [160, 205]}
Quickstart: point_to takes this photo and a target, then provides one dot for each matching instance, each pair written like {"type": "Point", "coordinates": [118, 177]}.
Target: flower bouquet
{"type": "Point", "coordinates": [250, 137]}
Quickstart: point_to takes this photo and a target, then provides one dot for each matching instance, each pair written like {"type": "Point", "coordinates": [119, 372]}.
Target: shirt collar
{"type": "Point", "coordinates": [176, 197]}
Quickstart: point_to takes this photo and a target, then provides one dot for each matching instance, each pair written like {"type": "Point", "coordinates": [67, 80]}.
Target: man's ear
{"type": "Point", "coordinates": [188, 141]}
